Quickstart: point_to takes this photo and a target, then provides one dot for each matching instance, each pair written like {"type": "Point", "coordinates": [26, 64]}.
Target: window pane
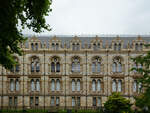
{"type": "Point", "coordinates": [78, 101]}
{"type": "Point", "coordinates": [10, 101]}
{"type": "Point", "coordinates": [53, 85]}
{"type": "Point", "coordinates": [114, 67]}
{"type": "Point", "coordinates": [98, 101]}
{"type": "Point", "coordinates": [119, 86]}
{"type": "Point", "coordinates": [98, 67]}
{"type": "Point", "coordinates": [58, 85]}
{"type": "Point", "coordinates": [58, 67]}
{"type": "Point", "coordinates": [73, 85]}
{"type": "Point", "coordinates": [17, 85]}
{"type": "Point", "coordinates": [31, 101]}
{"type": "Point", "coordinates": [32, 67]}
{"type": "Point", "coordinates": [37, 67]}
{"type": "Point", "coordinates": [52, 67]}
{"type": "Point", "coordinates": [94, 101]}
{"type": "Point", "coordinates": [37, 101]}
{"type": "Point", "coordinates": [119, 67]}
{"type": "Point", "coordinates": [135, 86]}
{"type": "Point", "coordinates": [98, 85]}
{"type": "Point", "coordinates": [15, 101]}
{"type": "Point", "coordinates": [52, 101]}
{"type": "Point", "coordinates": [114, 86]}
{"type": "Point", "coordinates": [73, 101]}
{"type": "Point", "coordinates": [57, 101]}
{"type": "Point", "coordinates": [78, 85]}
{"type": "Point", "coordinates": [93, 67]}
{"type": "Point", "coordinates": [32, 85]}
{"type": "Point", "coordinates": [11, 85]}
{"type": "Point", "coordinates": [37, 85]}
{"type": "Point", "coordinates": [93, 85]}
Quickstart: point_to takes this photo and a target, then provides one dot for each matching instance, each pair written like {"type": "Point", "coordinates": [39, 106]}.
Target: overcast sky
{"type": "Point", "coordinates": [77, 17]}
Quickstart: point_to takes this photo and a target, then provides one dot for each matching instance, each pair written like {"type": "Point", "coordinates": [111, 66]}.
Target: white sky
{"type": "Point", "coordinates": [77, 17]}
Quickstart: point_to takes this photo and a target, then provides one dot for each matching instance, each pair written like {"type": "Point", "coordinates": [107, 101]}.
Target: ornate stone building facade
{"type": "Point", "coordinates": [72, 71]}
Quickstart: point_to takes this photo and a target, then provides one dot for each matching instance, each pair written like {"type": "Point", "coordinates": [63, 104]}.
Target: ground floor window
{"type": "Point", "coordinates": [13, 101]}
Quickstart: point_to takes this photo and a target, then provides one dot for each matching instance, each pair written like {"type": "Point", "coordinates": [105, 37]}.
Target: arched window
{"type": "Point", "coordinates": [114, 67]}
{"type": "Point", "coordinates": [32, 46]}
{"type": "Point", "coordinates": [94, 46]}
{"type": "Point", "coordinates": [53, 85]}
{"type": "Point", "coordinates": [73, 47]}
{"type": "Point", "coordinates": [98, 85]}
{"type": "Point", "coordinates": [36, 46]}
{"type": "Point", "coordinates": [37, 85]}
{"type": "Point", "coordinates": [141, 46]}
{"type": "Point", "coordinates": [73, 101]}
{"type": "Point", "coordinates": [11, 85]}
{"type": "Point", "coordinates": [115, 46]}
{"type": "Point", "coordinates": [75, 65]}
{"type": "Point", "coordinates": [117, 65]}
{"type": "Point", "coordinates": [55, 64]}
{"type": "Point", "coordinates": [119, 47]}
{"type": "Point", "coordinates": [53, 46]}
{"type": "Point", "coordinates": [15, 68]}
{"type": "Point", "coordinates": [136, 47]}
{"type": "Point", "coordinates": [57, 67]}
{"type": "Point", "coordinates": [17, 85]}
{"type": "Point", "coordinates": [52, 67]}
{"type": "Point", "coordinates": [94, 85]}
{"type": "Point", "coordinates": [93, 67]}
{"type": "Point", "coordinates": [78, 85]}
{"type": "Point", "coordinates": [57, 85]}
{"type": "Point", "coordinates": [73, 85]}
{"type": "Point", "coordinates": [135, 86]}
{"type": "Point", "coordinates": [57, 46]}
{"type": "Point", "coordinates": [98, 45]}
{"type": "Point", "coordinates": [35, 65]}
{"type": "Point", "coordinates": [78, 46]}
{"type": "Point", "coordinates": [32, 85]}
{"type": "Point", "coordinates": [119, 86]}
{"type": "Point", "coordinates": [114, 88]}
{"type": "Point", "coordinates": [96, 65]}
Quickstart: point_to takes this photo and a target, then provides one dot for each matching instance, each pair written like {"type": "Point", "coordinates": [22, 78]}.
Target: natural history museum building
{"type": "Point", "coordinates": [72, 71]}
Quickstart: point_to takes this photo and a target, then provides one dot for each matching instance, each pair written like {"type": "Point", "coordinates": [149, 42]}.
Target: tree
{"type": "Point", "coordinates": [117, 104]}
{"type": "Point", "coordinates": [143, 99]}
{"type": "Point", "coordinates": [27, 13]}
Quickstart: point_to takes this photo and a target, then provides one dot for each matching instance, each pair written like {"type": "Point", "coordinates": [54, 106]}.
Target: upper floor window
{"type": "Point", "coordinates": [117, 46]}
{"type": "Point", "coordinates": [35, 64]}
{"type": "Point", "coordinates": [96, 85]}
{"type": "Point", "coordinates": [137, 87]}
{"type": "Point", "coordinates": [35, 85]}
{"type": "Point", "coordinates": [55, 64]}
{"type": "Point", "coordinates": [138, 47]}
{"type": "Point", "coordinates": [55, 85]}
{"type": "Point", "coordinates": [14, 84]}
{"type": "Point", "coordinates": [55, 46]}
{"type": "Point", "coordinates": [96, 65]}
{"type": "Point", "coordinates": [34, 46]}
{"type": "Point", "coordinates": [117, 65]}
{"type": "Point", "coordinates": [76, 85]}
{"type": "Point", "coordinates": [96, 46]}
{"type": "Point", "coordinates": [15, 67]}
{"type": "Point", "coordinates": [117, 86]}
{"type": "Point", "coordinates": [76, 46]}
{"type": "Point", "coordinates": [75, 64]}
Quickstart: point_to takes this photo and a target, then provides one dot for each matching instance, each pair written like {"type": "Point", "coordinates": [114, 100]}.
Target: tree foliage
{"type": "Point", "coordinates": [143, 100]}
{"type": "Point", "coordinates": [27, 13]}
{"type": "Point", "coordinates": [117, 104]}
